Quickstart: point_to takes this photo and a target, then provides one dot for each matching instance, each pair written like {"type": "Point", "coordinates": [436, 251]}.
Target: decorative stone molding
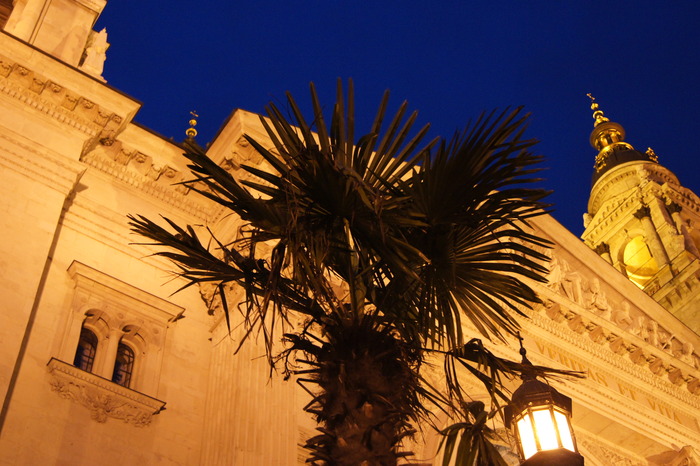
{"type": "Point", "coordinates": [606, 208]}
{"type": "Point", "coordinates": [68, 108]}
{"type": "Point", "coordinates": [650, 174]}
{"type": "Point", "coordinates": [604, 453]}
{"type": "Point", "coordinates": [137, 170]}
{"type": "Point", "coordinates": [587, 309]}
{"type": "Point", "coordinates": [116, 311]}
{"type": "Point", "coordinates": [103, 398]}
{"type": "Point", "coordinates": [648, 408]}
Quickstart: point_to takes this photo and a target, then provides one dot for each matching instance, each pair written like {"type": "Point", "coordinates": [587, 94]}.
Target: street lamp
{"type": "Point", "coordinates": [541, 420]}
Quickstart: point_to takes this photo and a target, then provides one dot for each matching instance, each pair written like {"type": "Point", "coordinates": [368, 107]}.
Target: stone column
{"type": "Point", "coordinates": [652, 236]}
{"type": "Point", "coordinates": [110, 354]}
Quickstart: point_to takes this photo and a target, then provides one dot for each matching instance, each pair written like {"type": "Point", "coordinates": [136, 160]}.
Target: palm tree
{"type": "Point", "coordinates": [384, 244]}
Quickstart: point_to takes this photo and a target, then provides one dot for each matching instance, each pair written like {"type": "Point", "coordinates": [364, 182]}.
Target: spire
{"type": "Point", "coordinates": [598, 115]}
{"type": "Point", "coordinates": [191, 132]}
{"type": "Point", "coordinates": [608, 137]}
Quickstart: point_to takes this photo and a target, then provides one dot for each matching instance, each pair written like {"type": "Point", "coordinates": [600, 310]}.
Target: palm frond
{"type": "Point", "coordinates": [386, 243]}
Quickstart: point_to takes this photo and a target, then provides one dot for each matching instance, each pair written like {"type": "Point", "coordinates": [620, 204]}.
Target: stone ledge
{"type": "Point", "coordinates": [102, 397]}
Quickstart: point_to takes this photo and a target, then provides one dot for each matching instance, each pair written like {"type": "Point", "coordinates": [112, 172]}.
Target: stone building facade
{"type": "Point", "coordinates": [102, 363]}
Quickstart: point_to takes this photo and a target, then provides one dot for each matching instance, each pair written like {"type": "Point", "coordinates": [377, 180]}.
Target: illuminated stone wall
{"type": "Point", "coordinates": [74, 166]}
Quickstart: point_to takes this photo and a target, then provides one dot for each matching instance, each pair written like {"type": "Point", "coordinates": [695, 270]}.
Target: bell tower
{"type": "Point", "coordinates": [643, 222]}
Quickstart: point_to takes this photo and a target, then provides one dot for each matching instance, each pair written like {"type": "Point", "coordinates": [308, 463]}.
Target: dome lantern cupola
{"type": "Point", "coordinates": [608, 138]}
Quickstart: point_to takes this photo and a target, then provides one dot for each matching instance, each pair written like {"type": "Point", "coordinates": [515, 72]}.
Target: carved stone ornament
{"type": "Point", "coordinates": [35, 91]}
{"type": "Point", "coordinates": [665, 355]}
{"type": "Point", "coordinates": [103, 398]}
{"type": "Point", "coordinates": [604, 453]}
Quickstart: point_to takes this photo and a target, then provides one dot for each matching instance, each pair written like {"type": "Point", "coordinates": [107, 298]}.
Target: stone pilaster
{"type": "Point", "coordinates": [643, 214]}
{"type": "Point", "coordinates": [248, 417]}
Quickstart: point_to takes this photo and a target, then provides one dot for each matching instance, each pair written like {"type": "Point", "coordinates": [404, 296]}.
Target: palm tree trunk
{"type": "Point", "coordinates": [367, 384]}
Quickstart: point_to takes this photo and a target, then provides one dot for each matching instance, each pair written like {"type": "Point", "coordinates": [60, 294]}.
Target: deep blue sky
{"type": "Point", "coordinates": [450, 59]}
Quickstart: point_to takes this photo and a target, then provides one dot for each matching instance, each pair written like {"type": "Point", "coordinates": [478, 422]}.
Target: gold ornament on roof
{"type": "Point", "coordinates": [598, 115]}
{"type": "Point", "coordinates": [652, 155]}
{"type": "Point", "coordinates": [191, 132]}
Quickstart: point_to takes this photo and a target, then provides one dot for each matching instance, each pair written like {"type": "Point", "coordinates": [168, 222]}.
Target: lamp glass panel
{"type": "Point", "coordinates": [527, 436]}
{"type": "Point", "coordinates": [564, 431]}
{"type": "Point", "coordinates": [545, 429]}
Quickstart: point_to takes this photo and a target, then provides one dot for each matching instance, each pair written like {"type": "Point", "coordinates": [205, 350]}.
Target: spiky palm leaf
{"type": "Point", "coordinates": [417, 237]}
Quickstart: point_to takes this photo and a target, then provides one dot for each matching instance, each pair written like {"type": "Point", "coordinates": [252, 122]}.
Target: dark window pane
{"type": "Point", "coordinates": [123, 365]}
{"type": "Point", "coordinates": [5, 10]}
{"type": "Point", "coordinates": [85, 354]}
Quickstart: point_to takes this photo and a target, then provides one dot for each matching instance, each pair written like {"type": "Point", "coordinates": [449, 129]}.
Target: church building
{"type": "Point", "coordinates": [102, 362]}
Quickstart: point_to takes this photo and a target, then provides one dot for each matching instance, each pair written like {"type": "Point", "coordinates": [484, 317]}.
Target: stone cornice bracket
{"type": "Point", "coordinates": [103, 398]}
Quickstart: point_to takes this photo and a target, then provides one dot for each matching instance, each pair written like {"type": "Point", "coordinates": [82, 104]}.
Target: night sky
{"type": "Point", "coordinates": [450, 60]}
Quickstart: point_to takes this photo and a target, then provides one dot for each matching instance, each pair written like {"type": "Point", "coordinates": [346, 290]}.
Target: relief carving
{"type": "Point", "coordinates": [686, 354]}
{"type": "Point", "coordinates": [554, 311]}
{"type": "Point", "coordinates": [597, 301]}
{"type": "Point", "coordinates": [605, 454]}
{"type": "Point", "coordinates": [70, 102]}
{"type": "Point", "coordinates": [37, 85]}
{"type": "Point", "coordinates": [5, 68]}
{"type": "Point", "coordinates": [104, 399]}
{"type": "Point", "coordinates": [590, 294]}
{"type": "Point", "coordinates": [562, 279]}
{"type": "Point", "coordinates": [657, 366]}
{"type": "Point", "coordinates": [622, 316]}
{"type": "Point", "coordinates": [209, 292]}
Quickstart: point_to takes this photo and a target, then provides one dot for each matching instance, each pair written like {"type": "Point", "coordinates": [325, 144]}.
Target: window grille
{"type": "Point", "coordinates": [85, 353]}
{"type": "Point", "coordinates": [123, 365]}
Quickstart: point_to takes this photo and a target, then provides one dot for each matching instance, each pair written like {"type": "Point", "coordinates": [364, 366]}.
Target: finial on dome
{"type": "Point", "coordinates": [191, 132]}
{"type": "Point", "coordinates": [598, 115]}
{"type": "Point", "coordinates": [608, 137]}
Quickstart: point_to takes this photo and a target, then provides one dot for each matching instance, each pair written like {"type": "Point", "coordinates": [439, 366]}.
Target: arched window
{"type": "Point", "coordinates": [123, 365]}
{"type": "Point", "coordinates": [85, 353]}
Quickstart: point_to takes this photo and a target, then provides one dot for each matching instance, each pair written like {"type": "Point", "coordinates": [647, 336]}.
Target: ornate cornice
{"type": "Point", "coordinates": [645, 171]}
{"type": "Point", "coordinates": [609, 384]}
{"type": "Point", "coordinates": [610, 209]}
{"type": "Point", "coordinates": [103, 398]}
{"type": "Point", "coordinates": [656, 353]}
{"type": "Point", "coordinates": [160, 182]}
{"type": "Point", "coordinates": [683, 196]}
{"type": "Point", "coordinates": [30, 88]}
